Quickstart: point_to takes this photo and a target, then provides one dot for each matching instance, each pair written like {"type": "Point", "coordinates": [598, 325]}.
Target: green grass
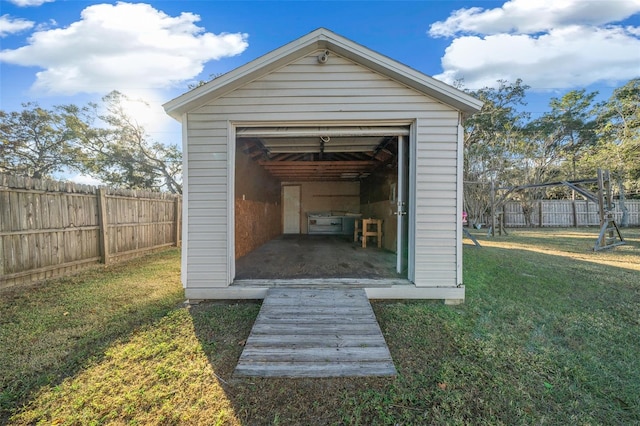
{"type": "Point", "coordinates": [548, 334]}
{"type": "Point", "coordinates": [52, 332]}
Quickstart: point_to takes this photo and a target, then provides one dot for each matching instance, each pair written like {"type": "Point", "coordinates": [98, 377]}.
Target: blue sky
{"type": "Point", "coordinates": [59, 52]}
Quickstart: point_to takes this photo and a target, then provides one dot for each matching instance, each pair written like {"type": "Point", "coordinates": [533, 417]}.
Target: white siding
{"type": "Point", "coordinates": [207, 211]}
{"type": "Point", "coordinates": [436, 201]}
{"type": "Point", "coordinates": [306, 91]}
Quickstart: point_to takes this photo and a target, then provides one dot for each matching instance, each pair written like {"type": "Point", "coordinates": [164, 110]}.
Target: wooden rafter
{"type": "Point", "coordinates": [319, 170]}
{"type": "Point", "coordinates": [336, 158]}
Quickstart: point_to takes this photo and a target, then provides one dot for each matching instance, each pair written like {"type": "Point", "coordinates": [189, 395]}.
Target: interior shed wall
{"type": "Point", "coordinates": [257, 205]}
{"type": "Point", "coordinates": [306, 91]}
{"type": "Point", "coordinates": [337, 197]}
{"type": "Point", "coordinates": [377, 201]}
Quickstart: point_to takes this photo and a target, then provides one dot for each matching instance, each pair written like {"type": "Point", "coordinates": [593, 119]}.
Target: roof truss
{"type": "Point", "coordinates": [304, 157]}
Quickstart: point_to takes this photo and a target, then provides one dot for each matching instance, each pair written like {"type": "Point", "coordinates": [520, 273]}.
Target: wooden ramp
{"type": "Point", "coordinates": [315, 333]}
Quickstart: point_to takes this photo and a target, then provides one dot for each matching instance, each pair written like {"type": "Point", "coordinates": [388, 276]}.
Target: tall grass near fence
{"type": "Point", "coordinates": [50, 228]}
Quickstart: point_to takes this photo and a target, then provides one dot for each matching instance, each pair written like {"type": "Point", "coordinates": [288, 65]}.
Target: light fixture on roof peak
{"type": "Point", "coordinates": [323, 57]}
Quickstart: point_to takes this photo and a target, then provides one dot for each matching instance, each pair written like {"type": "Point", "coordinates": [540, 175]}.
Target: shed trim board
{"type": "Point", "coordinates": [402, 206]}
{"type": "Point", "coordinates": [399, 127]}
{"type": "Point", "coordinates": [373, 292]}
{"type": "Point", "coordinates": [356, 92]}
{"type": "Point", "coordinates": [413, 152]}
{"type": "Point", "coordinates": [460, 202]}
{"type": "Point", "coordinates": [231, 217]}
{"type": "Point", "coordinates": [185, 205]}
{"type": "Point", "coordinates": [314, 41]}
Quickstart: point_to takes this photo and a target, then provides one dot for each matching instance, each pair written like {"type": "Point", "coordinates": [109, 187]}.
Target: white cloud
{"type": "Point", "coordinates": [9, 25]}
{"type": "Point", "coordinates": [563, 58]}
{"type": "Point", "coordinates": [527, 16]}
{"type": "Point", "coordinates": [550, 44]}
{"type": "Point", "coordinates": [44, 26]}
{"type": "Point", "coordinates": [25, 3]}
{"type": "Point", "coordinates": [122, 46]}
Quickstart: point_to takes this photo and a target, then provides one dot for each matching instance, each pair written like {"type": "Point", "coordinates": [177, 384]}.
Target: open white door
{"type": "Point", "coordinates": [403, 197]}
{"type": "Point", "coordinates": [291, 207]}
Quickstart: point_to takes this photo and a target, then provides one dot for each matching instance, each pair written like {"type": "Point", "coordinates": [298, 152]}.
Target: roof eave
{"type": "Point", "coordinates": [405, 75]}
{"type": "Point", "coordinates": [242, 75]}
{"type": "Point", "coordinates": [321, 39]}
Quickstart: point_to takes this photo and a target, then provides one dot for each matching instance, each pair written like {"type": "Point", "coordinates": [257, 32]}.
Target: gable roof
{"type": "Point", "coordinates": [316, 40]}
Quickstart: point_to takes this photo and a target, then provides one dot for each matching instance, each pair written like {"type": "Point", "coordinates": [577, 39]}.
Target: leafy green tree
{"type": "Point", "coordinates": [36, 142]}
{"type": "Point", "coordinates": [618, 149]}
{"type": "Point", "coordinates": [491, 136]}
{"type": "Point", "coordinates": [570, 128]}
{"type": "Point", "coordinates": [118, 151]}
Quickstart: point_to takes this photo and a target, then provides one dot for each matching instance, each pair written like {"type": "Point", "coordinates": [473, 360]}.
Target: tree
{"type": "Point", "coordinates": [199, 83]}
{"type": "Point", "coordinates": [570, 128]}
{"type": "Point", "coordinates": [36, 142]}
{"type": "Point", "coordinates": [619, 129]}
{"type": "Point", "coordinates": [618, 149]}
{"type": "Point", "coordinates": [491, 136]}
{"type": "Point", "coordinates": [118, 151]}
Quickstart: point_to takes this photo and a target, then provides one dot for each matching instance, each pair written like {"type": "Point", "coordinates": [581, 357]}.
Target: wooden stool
{"type": "Point", "coordinates": [370, 228]}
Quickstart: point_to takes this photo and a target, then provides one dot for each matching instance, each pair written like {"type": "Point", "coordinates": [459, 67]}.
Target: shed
{"type": "Point", "coordinates": [304, 142]}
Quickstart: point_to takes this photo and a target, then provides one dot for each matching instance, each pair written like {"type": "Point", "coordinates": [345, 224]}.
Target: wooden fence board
{"type": "Point", "coordinates": [14, 206]}
{"type": "Point", "coordinates": [50, 228]}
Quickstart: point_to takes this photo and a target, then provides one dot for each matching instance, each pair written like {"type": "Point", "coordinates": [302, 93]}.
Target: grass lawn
{"type": "Point", "coordinates": [549, 334]}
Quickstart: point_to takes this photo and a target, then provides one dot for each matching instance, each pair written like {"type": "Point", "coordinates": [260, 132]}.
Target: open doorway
{"type": "Point", "coordinates": [291, 209]}
{"type": "Point", "coordinates": [309, 187]}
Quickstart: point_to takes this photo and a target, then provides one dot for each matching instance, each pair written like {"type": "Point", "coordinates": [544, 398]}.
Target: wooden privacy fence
{"type": "Point", "coordinates": [567, 213]}
{"type": "Point", "coordinates": [50, 228]}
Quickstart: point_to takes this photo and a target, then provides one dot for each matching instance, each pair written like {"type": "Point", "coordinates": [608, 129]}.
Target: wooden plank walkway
{"type": "Point", "coordinates": [315, 333]}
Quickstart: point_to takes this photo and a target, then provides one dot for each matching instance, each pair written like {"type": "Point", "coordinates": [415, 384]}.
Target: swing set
{"type": "Point", "coordinates": [609, 236]}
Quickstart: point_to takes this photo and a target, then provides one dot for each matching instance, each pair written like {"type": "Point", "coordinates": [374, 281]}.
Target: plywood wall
{"type": "Point", "coordinates": [258, 210]}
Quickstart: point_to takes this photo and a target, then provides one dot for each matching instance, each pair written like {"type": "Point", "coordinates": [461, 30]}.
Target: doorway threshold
{"type": "Point", "coordinates": [324, 283]}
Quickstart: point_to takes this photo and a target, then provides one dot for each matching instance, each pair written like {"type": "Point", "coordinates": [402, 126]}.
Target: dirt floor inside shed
{"type": "Point", "coordinates": [316, 256]}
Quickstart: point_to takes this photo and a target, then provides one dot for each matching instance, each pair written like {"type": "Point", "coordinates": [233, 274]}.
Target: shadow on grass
{"type": "Point", "coordinates": [222, 329]}
{"type": "Point", "coordinates": [55, 329]}
{"type": "Point", "coordinates": [574, 240]}
{"type": "Point", "coordinates": [541, 338]}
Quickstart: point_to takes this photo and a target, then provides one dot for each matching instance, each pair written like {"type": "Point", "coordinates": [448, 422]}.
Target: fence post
{"type": "Point", "coordinates": [177, 228]}
{"type": "Point", "coordinates": [493, 209]}
{"type": "Point", "coordinates": [504, 214]}
{"type": "Point", "coordinates": [1, 256]}
{"type": "Point", "coordinates": [575, 213]}
{"type": "Point", "coordinates": [4, 215]}
{"type": "Point", "coordinates": [103, 225]}
{"type": "Point", "coordinates": [540, 210]}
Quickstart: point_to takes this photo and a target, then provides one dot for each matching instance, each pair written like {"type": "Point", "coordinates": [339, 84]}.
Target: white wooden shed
{"type": "Point", "coordinates": [308, 137]}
